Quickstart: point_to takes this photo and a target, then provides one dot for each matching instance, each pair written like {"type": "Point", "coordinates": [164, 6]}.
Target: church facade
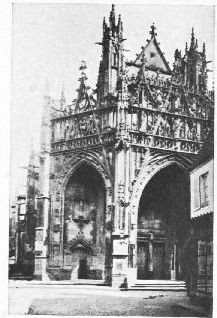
{"type": "Point", "coordinates": [114, 176]}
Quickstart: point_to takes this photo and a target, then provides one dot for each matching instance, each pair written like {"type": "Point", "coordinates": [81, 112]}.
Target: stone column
{"type": "Point", "coordinates": [41, 237]}
{"type": "Point", "coordinates": [43, 210]}
{"type": "Point", "coordinates": [173, 262]}
{"type": "Point", "coordinates": [121, 202]}
{"type": "Point", "coordinates": [150, 261]}
{"type": "Point", "coordinates": [120, 234]}
{"type": "Point", "coordinates": [43, 200]}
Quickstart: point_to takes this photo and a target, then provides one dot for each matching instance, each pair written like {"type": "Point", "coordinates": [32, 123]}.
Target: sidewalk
{"type": "Point", "coordinates": [59, 298]}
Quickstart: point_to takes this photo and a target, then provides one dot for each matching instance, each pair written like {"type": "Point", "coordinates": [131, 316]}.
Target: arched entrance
{"type": "Point", "coordinates": [163, 225]}
{"type": "Point", "coordinates": [84, 220]}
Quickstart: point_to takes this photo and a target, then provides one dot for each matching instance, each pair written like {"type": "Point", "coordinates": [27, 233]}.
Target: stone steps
{"type": "Point", "coordinates": [158, 285]}
{"type": "Point", "coordinates": [20, 277]}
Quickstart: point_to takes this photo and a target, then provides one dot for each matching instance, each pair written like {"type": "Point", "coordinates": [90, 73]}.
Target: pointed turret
{"type": "Point", "coordinates": [193, 67]}
{"type": "Point", "coordinates": [112, 56]}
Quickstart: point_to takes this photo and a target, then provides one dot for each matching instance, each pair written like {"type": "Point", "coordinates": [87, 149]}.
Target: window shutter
{"type": "Point", "coordinates": [195, 194]}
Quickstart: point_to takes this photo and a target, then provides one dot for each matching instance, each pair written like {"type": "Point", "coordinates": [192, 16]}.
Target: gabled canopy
{"type": "Point", "coordinates": [154, 58]}
{"type": "Point", "coordinates": [79, 242]}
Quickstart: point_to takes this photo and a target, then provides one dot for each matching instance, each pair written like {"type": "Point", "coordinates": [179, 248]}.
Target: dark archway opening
{"type": "Point", "coordinates": [84, 219]}
{"type": "Point", "coordinates": [163, 225]}
{"type": "Point", "coordinates": [82, 270]}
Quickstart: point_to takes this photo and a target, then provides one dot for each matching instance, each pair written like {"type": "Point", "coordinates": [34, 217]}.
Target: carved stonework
{"type": "Point", "coordinates": [108, 144]}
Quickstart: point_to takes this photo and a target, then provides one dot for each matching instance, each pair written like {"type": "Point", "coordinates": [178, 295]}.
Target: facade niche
{"type": "Point", "coordinates": [84, 218]}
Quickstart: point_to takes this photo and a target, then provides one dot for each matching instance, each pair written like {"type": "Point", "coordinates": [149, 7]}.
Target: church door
{"type": "Point", "coordinates": [142, 260]}
{"type": "Point", "coordinates": [82, 270]}
{"type": "Point", "coordinates": [158, 260]}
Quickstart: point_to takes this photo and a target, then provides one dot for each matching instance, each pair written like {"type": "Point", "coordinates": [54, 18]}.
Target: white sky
{"type": "Point", "coordinates": [50, 40]}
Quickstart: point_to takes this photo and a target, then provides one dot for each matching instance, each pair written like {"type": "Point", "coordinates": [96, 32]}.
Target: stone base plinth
{"type": "Point", "coordinates": [40, 272]}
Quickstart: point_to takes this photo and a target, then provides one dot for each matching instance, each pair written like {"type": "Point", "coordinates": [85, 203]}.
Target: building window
{"type": "Point", "coordinates": [114, 59]}
{"type": "Point", "coordinates": [203, 190]}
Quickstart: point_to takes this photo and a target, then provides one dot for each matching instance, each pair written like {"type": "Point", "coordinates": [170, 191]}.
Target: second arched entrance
{"type": "Point", "coordinates": [163, 225]}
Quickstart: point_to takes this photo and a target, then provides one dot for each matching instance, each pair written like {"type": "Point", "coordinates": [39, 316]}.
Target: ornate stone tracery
{"type": "Point", "coordinates": [142, 118]}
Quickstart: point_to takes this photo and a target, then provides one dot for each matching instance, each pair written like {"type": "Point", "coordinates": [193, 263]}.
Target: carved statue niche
{"type": "Point", "coordinates": [83, 126]}
{"type": "Point", "coordinates": [176, 127]}
{"type": "Point", "coordinates": [143, 126]}
{"type": "Point", "coordinates": [193, 108]}
{"type": "Point", "coordinates": [177, 104]}
{"type": "Point", "coordinates": [71, 129]}
{"type": "Point", "coordinates": [159, 98]}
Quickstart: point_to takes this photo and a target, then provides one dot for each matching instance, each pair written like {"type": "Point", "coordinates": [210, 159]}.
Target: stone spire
{"type": "Point", "coordinates": [112, 56]}
{"type": "Point", "coordinates": [112, 18]}
{"type": "Point", "coordinates": [192, 40]}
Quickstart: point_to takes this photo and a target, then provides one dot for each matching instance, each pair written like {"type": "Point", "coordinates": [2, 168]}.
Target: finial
{"type": "Point", "coordinates": [186, 47]}
{"type": "Point", "coordinates": [204, 48]}
{"type": "Point", "coordinates": [196, 44]}
{"type": "Point", "coordinates": [152, 32]}
{"type": "Point", "coordinates": [83, 66]}
{"type": "Point", "coordinates": [192, 37]}
{"type": "Point", "coordinates": [112, 16]}
{"type": "Point", "coordinates": [177, 54]}
{"type": "Point", "coordinates": [120, 24]}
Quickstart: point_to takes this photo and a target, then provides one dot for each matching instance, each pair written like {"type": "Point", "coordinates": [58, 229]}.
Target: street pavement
{"type": "Point", "coordinates": [71, 300]}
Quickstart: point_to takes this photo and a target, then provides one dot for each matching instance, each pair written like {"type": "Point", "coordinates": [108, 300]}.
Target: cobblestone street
{"type": "Point", "coordinates": [71, 300]}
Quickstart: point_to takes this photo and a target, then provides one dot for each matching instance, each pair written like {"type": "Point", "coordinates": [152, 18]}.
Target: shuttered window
{"type": "Point", "coordinates": [196, 198]}
{"type": "Point", "coordinates": [204, 190]}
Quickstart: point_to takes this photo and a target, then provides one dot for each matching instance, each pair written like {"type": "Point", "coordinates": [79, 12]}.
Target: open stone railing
{"type": "Point", "coordinates": [167, 118]}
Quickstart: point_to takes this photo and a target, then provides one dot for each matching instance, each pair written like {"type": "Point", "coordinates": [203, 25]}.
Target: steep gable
{"type": "Point", "coordinates": [154, 58]}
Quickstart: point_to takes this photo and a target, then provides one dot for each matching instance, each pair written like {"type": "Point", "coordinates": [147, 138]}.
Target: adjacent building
{"type": "Point", "coordinates": [202, 208]}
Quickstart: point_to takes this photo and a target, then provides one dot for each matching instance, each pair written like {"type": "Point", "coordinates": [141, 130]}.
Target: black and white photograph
{"type": "Point", "coordinates": [111, 159]}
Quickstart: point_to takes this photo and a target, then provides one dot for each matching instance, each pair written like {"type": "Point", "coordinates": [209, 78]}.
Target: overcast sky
{"type": "Point", "coordinates": [50, 40]}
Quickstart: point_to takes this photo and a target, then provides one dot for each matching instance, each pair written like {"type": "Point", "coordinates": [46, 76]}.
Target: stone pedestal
{"type": "Point", "coordinates": [120, 261]}
{"type": "Point", "coordinates": [40, 272]}
{"type": "Point", "coordinates": [150, 261]}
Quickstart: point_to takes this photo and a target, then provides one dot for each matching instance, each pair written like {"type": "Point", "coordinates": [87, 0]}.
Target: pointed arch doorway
{"type": "Point", "coordinates": [84, 220]}
{"type": "Point", "coordinates": [163, 225]}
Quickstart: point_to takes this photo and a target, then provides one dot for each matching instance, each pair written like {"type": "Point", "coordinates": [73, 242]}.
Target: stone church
{"type": "Point", "coordinates": [113, 199]}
